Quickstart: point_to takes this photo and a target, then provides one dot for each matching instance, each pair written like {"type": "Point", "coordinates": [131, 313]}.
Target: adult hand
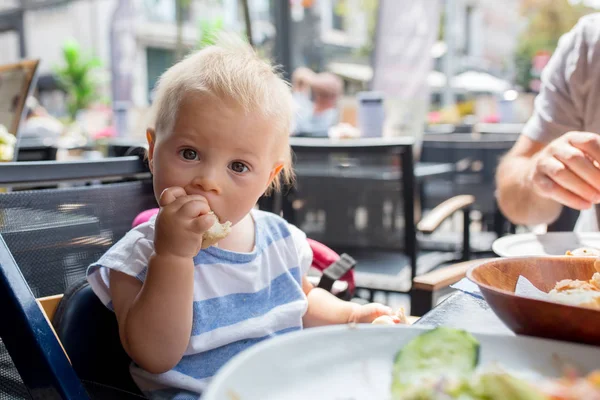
{"type": "Point", "coordinates": [567, 170]}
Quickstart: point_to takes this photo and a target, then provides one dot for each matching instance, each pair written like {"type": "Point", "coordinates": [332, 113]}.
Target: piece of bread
{"type": "Point", "coordinates": [384, 320]}
{"type": "Point", "coordinates": [216, 232]}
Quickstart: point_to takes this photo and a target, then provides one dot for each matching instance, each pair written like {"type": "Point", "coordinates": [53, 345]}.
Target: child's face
{"type": "Point", "coordinates": [217, 151]}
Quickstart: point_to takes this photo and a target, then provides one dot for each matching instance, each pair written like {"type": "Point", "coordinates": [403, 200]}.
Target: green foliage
{"type": "Point", "coordinates": [370, 7]}
{"type": "Point", "coordinates": [209, 30]}
{"type": "Point", "coordinates": [547, 21]}
{"type": "Point", "coordinates": [76, 77]}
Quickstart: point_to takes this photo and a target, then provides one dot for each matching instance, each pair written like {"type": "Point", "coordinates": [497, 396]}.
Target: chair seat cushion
{"type": "Point", "coordinates": [90, 335]}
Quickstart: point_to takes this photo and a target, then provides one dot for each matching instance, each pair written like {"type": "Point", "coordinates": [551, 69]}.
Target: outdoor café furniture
{"type": "Point", "coordinates": [18, 83]}
{"type": "Point", "coordinates": [340, 182]}
{"type": "Point", "coordinates": [476, 158]}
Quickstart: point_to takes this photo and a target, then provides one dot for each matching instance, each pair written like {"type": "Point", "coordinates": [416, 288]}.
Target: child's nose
{"type": "Point", "coordinates": [207, 183]}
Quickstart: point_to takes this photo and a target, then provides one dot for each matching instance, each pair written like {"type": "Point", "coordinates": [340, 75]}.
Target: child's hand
{"type": "Point", "coordinates": [365, 314]}
{"type": "Point", "coordinates": [181, 222]}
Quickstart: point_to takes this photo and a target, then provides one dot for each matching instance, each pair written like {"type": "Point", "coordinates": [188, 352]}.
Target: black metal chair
{"type": "Point", "coordinates": [358, 197]}
{"type": "Point", "coordinates": [43, 369]}
{"type": "Point", "coordinates": [53, 235]}
{"type": "Point", "coordinates": [476, 158]}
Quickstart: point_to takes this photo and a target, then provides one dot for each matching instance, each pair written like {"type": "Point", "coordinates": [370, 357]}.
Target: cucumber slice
{"type": "Point", "coordinates": [439, 354]}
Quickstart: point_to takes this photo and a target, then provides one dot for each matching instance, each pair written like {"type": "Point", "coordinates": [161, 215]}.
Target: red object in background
{"type": "Point", "coordinates": [491, 119]}
{"type": "Point", "coordinates": [107, 132]}
{"type": "Point", "coordinates": [539, 62]}
{"type": "Point", "coordinates": [434, 117]}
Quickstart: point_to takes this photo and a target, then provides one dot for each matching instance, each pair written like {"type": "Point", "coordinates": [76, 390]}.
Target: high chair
{"type": "Point", "coordinates": [90, 334]}
{"type": "Point", "coordinates": [49, 237]}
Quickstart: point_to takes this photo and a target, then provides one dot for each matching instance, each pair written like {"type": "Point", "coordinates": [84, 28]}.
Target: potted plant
{"type": "Point", "coordinates": [77, 77]}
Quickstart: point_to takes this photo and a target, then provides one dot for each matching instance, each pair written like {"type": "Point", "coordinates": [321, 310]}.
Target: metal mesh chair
{"type": "Point", "coordinates": [54, 234]}
{"type": "Point", "coordinates": [358, 197]}
{"type": "Point", "coordinates": [477, 159]}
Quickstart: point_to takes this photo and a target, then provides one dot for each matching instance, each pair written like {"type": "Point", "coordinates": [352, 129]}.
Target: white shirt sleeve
{"type": "Point", "coordinates": [305, 254]}
{"type": "Point", "coordinates": [129, 255]}
{"type": "Point", "coordinates": [559, 107]}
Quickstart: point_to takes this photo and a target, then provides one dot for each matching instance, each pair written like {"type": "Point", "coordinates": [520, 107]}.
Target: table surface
{"type": "Point", "coordinates": [377, 173]}
{"type": "Point", "coordinates": [464, 311]}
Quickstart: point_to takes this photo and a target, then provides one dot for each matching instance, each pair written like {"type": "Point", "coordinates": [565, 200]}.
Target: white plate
{"type": "Point", "coordinates": [548, 244]}
{"type": "Point", "coordinates": [343, 362]}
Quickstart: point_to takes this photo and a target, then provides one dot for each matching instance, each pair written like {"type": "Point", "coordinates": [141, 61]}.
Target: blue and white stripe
{"type": "Point", "coordinates": [239, 299]}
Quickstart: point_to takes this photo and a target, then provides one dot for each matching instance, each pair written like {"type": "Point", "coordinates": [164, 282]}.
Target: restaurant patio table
{"type": "Point", "coordinates": [464, 311]}
{"type": "Point", "coordinates": [422, 171]}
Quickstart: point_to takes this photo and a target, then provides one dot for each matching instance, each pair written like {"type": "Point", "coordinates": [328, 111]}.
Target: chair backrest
{"type": "Point", "coordinates": [54, 234]}
{"type": "Point", "coordinates": [352, 193]}
{"type": "Point", "coordinates": [476, 160]}
{"type": "Point", "coordinates": [17, 82]}
{"type": "Point", "coordinates": [42, 366]}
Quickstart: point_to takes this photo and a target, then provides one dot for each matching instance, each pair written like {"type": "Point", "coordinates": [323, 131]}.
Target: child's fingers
{"type": "Point", "coordinates": [192, 207]}
{"type": "Point", "coordinates": [380, 309]}
{"type": "Point", "coordinates": [203, 222]}
{"type": "Point", "coordinates": [171, 194]}
{"type": "Point", "coordinates": [369, 312]}
{"type": "Point", "coordinates": [377, 310]}
{"type": "Point", "coordinates": [179, 202]}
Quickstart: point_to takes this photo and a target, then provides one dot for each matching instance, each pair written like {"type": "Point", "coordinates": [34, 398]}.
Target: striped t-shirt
{"type": "Point", "coordinates": [239, 299]}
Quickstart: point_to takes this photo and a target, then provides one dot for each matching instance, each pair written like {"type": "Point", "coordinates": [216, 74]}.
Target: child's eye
{"type": "Point", "coordinates": [188, 154]}
{"type": "Point", "coordinates": [238, 167]}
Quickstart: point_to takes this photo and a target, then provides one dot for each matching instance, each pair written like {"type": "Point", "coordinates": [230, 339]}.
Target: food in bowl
{"type": "Point", "coordinates": [444, 364]}
{"type": "Point", "coordinates": [577, 292]}
{"type": "Point", "coordinates": [584, 252]}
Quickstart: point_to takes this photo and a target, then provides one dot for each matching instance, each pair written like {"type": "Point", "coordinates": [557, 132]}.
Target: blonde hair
{"type": "Point", "coordinates": [231, 71]}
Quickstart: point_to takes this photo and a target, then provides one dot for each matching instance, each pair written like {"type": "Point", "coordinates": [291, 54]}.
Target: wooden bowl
{"type": "Point", "coordinates": [497, 280]}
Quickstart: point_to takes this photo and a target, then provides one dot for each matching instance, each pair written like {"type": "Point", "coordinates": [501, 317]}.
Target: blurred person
{"type": "Point", "coordinates": [302, 79]}
{"type": "Point", "coordinates": [327, 89]}
{"type": "Point", "coordinates": [556, 160]}
{"type": "Point", "coordinates": [39, 123]}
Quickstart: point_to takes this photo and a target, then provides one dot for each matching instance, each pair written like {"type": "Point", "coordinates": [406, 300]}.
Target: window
{"type": "Point", "coordinates": [338, 11]}
{"type": "Point", "coordinates": [157, 61]}
{"type": "Point", "coordinates": [165, 10]}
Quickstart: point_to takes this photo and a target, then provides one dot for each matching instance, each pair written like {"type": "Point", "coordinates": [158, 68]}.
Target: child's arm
{"type": "Point", "coordinates": [326, 309]}
{"type": "Point", "coordinates": [155, 318]}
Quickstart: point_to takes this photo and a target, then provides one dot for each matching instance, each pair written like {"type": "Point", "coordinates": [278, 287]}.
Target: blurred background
{"type": "Point", "coordinates": [452, 82]}
{"type": "Point", "coordinates": [405, 67]}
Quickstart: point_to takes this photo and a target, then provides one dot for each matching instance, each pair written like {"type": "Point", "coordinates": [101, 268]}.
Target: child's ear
{"type": "Point", "coordinates": [150, 136]}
